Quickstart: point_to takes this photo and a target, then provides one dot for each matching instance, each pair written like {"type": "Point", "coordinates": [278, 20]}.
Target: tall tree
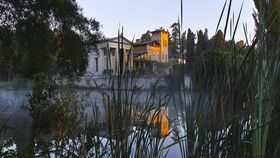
{"type": "Point", "coordinates": [174, 42]}
{"type": "Point", "coordinates": [268, 17]}
{"type": "Point", "coordinates": [36, 25]}
{"type": "Point", "coordinates": [190, 42]}
{"type": "Point", "coordinates": [146, 36]}
{"type": "Point", "coordinates": [36, 46]}
{"type": "Point", "coordinates": [206, 38]}
{"type": "Point", "coordinates": [6, 52]}
{"type": "Point", "coordinates": [69, 61]}
{"type": "Point", "coordinates": [218, 41]}
{"type": "Point", "coordinates": [202, 40]}
{"type": "Point", "coordinates": [184, 41]}
{"type": "Point", "coordinates": [239, 45]}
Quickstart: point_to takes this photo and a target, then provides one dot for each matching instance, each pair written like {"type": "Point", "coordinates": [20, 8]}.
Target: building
{"type": "Point", "coordinates": [155, 49]}
{"type": "Point", "coordinates": [106, 59]}
{"type": "Point", "coordinates": [158, 120]}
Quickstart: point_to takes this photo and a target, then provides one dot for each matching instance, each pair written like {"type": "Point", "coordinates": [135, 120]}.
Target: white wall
{"type": "Point", "coordinates": [113, 61]}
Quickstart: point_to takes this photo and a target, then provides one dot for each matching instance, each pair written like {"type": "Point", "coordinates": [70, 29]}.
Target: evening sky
{"type": "Point", "coordinates": [138, 16]}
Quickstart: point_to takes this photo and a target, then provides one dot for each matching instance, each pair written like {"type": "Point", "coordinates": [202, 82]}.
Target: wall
{"type": "Point", "coordinates": [164, 46]}
{"type": "Point", "coordinates": [106, 59]}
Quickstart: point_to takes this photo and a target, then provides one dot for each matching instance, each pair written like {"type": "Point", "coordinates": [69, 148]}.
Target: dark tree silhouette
{"type": "Point", "coordinates": [202, 41]}
{"type": "Point", "coordinates": [36, 24]}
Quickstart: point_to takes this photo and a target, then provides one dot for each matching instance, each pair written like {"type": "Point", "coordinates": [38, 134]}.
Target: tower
{"type": "Point", "coordinates": [162, 37]}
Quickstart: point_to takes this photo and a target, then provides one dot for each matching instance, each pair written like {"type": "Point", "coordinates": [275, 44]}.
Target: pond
{"type": "Point", "coordinates": [17, 123]}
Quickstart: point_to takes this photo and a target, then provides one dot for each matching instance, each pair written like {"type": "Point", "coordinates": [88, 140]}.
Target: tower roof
{"type": "Point", "coordinates": [159, 30]}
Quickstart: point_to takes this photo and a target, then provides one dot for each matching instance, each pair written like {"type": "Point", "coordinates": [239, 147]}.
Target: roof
{"type": "Point", "coordinates": [145, 43]}
{"type": "Point", "coordinates": [135, 55]}
{"type": "Point", "coordinates": [158, 30]}
{"type": "Point", "coordinates": [114, 39]}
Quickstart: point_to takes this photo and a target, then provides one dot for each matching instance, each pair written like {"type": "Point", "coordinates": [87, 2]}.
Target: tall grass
{"type": "Point", "coordinates": [69, 124]}
{"type": "Point", "coordinates": [231, 110]}
{"type": "Point", "coordinates": [233, 98]}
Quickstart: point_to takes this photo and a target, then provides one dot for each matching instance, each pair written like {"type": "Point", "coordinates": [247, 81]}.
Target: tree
{"type": "Point", "coordinates": [239, 45]}
{"type": "Point", "coordinates": [146, 36]}
{"type": "Point", "coordinates": [69, 61]}
{"type": "Point", "coordinates": [206, 38]}
{"type": "Point", "coordinates": [218, 41]}
{"type": "Point", "coordinates": [202, 40]}
{"type": "Point", "coordinates": [36, 25]}
{"type": "Point", "coordinates": [56, 112]}
{"type": "Point", "coordinates": [6, 53]}
{"type": "Point", "coordinates": [267, 21]}
{"type": "Point", "coordinates": [36, 47]}
{"type": "Point", "coordinates": [184, 41]}
{"type": "Point", "coordinates": [190, 42]}
{"type": "Point", "coordinates": [174, 41]}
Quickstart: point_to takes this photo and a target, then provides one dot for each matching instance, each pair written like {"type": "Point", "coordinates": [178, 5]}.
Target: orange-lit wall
{"type": "Point", "coordinates": [164, 46]}
{"type": "Point", "coordinates": [156, 52]}
{"type": "Point", "coordinates": [159, 117]}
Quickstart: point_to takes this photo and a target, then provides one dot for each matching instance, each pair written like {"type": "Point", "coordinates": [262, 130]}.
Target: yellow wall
{"type": "Point", "coordinates": [152, 52]}
{"type": "Point", "coordinates": [158, 119]}
{"type": "Point", "coordinates": [157, 52]}
{"type": "Point", "coordinates": [140, 48]}
{"type": "Point", "coordinates": [164, 46]}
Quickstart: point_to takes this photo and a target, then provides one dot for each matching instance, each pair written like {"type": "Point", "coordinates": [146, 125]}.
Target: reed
{"type": "Point", "coordinates": [233, 97]}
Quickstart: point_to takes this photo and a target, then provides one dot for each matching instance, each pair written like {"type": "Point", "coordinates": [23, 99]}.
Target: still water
{"type": "Point", "coordinates": [17, 122]}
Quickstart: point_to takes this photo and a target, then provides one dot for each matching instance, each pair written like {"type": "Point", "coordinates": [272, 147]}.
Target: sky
{"type": "Point", "coordinates": [138, 16]}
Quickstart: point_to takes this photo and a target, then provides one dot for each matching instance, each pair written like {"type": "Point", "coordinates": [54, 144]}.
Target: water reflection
{"type": "Point", "coordinates": [158, 118]}
{"type": "Point", "coordinates": [19, 135]}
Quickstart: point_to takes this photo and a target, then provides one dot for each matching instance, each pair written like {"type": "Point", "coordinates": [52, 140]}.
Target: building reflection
{"type": "Point", "coordinates": [158, 120]}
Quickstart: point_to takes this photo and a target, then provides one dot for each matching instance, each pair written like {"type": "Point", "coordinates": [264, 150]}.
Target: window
{"type": "Point", "coordinates": [96, 64]}
{"type": "Point", "coordinates": [105, 51]}
{"type": "Point", "coordinates": [164, 43]}
{"type": "Point", "coordinates": [113, 51]}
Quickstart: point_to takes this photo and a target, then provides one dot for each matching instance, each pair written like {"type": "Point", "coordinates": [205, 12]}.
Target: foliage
{"type": "Point", "coordinates": [202, 41]}
{"type": "Point", "coordinates": [148, 67]}
{"type": "Point", "coordinates": [268, 17]}
{"type": "Point", "coordinates": [232, 111]}
{"type": "Point", "coordinates": [218, 41]}
{"type": "Point", "coordinates": [190, 49]}
{"type": "Point", "coordinates": [41, 102]}
{"type": "Point", "coordinates": [61, 129]}
{"type": "Point", "coordinates": [146, 36]}
{"type": "Point", "coordinates": [68, 124]}
{"type": "Point", "coordinates": [190, 42]}
{"type": "Point", "coordinates": [174, 39]}
{"type": "Point", "coordinates": [72, 59]}
{"type": "Point", "coordinates": [42, 31]}
{"type": "Point", "coordinates": [32, 36]}
{"type": "Point", "coordinates": [267, 24]}
{"type": "Point", "coordinates": [6, 53]}
{"type": "Point", "coordinates": [56, 114]}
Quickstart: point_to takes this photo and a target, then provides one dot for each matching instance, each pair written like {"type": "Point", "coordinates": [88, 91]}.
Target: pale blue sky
{"type": "Point", "coordinates": [137, 16]}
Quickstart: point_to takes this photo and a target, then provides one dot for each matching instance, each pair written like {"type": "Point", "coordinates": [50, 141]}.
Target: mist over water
{"type": "Point", "coordinates": [18, 122]}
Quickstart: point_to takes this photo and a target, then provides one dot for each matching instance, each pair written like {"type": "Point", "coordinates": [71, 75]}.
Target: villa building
{"type": "Point", "coordinates": [106, 59]}
{"type": "Point", "coordinates": [156, 49]}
